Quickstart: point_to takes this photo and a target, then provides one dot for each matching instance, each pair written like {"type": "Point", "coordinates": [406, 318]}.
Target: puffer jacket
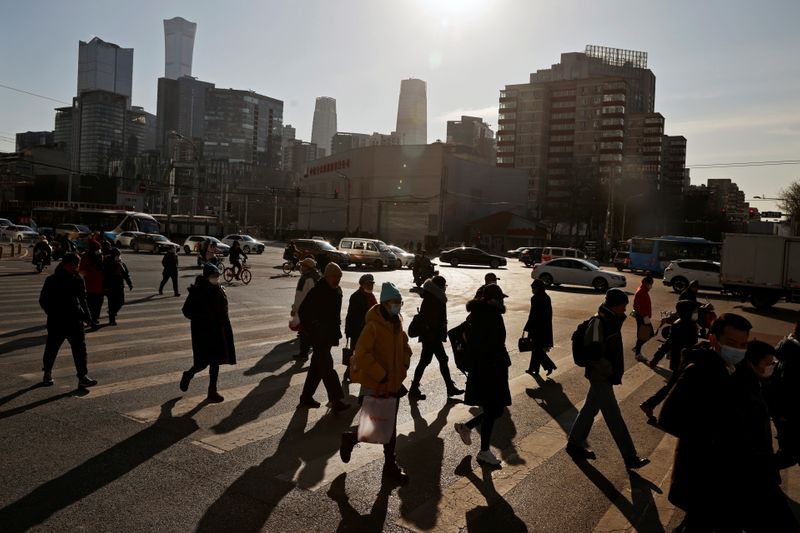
{"type": "Point", "coordinates": [382, 355]}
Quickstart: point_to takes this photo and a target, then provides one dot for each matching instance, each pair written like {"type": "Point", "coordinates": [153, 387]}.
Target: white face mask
{"type": "Point", "coordinates": [394, 309]}
{"type": "Point", "coordinates": [768, 372]}
{"type": "Point", "coordinates": [732, 356]}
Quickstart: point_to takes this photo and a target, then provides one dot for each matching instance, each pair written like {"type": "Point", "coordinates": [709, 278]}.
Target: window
{"type": "Point", "coordinates": [346, 245]}
{"type": "Point", "coordinates": [358, 246]}
{"type": "Point", "coordinates": [371, 247]}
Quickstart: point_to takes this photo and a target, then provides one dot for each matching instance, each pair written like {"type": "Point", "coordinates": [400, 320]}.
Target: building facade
{"type": "Point", "coordinates": [412, 112]}
{"type": "Point", "coordinates": [30, 139]}
{"type": "Point", "coordinates": [474, 133]}
{"type": "Point", "coordinates": [324, 126]}
{"type": "Point", "coordinates": [344, 141]}
{"type": "Point", "coordinates": [178, 47]}
{"type": "Point", "coordinates": [181, 108]}
{"type": "Point", "coordinates": [424, 193]}
{"type": "Point", "coordinates": [104, 66]}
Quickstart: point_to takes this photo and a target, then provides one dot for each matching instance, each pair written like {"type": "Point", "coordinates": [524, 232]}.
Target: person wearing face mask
{"type": "Point", "coordinates": [699, 411]}
{"type": "Point", "coordinates": [784, 398]}
{"type": "Point", "coordinates": [643, 312]}
{"type": "Point", "coordinates": [206, 307]}
{"type": "Point", "coordinates": [682, 336]}
{"type": "Point", "coordinates": [540, 327]}
{"type": "Point", "coordinates": [603, 346]}
{"type": "Point", "coordinates": [115, 276]}
{"type": "Point", "coordinates": [320, 314]}
{"type": "Point", "coordinates": [63, 299]}
{"type": "Point", "coordinates": [380, 364]}
{"type": "Point", "coordinates": [361, 301]}
{"type": "Point", "coordinates": [757, 475]}
{"type": "Point", "coordinates": [487, 380]}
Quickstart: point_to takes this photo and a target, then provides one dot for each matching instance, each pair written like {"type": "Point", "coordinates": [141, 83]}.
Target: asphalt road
{"type": "Point", "coordinates": [136, 454]}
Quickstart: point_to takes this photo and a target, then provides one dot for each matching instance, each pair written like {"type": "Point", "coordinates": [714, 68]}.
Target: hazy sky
{"type": "Point", "coordinates": [728, 72]}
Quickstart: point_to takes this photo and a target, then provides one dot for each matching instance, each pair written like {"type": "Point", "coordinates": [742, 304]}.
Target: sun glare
{"type": "Point", "coordinates": [448, 9]}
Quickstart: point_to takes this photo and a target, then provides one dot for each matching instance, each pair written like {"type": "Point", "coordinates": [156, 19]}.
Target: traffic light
{"type": "Point", "coordinates": [752, 213]}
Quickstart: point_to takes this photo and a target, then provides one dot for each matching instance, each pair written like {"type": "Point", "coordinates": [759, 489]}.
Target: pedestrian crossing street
{"type": "Point", "coordinates": [138, 365]}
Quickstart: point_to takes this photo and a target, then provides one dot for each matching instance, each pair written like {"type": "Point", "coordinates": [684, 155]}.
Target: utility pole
{"type": "Point", "coordinates": [275, 210]}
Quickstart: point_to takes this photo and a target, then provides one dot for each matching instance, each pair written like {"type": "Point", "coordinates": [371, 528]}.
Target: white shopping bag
{"type": "Point", "coordinates": [377, 419]}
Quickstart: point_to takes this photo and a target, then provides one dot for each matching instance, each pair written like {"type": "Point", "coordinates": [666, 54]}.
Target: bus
{"type": "Point", "coordinates": [654, 254]}
{"type": "Point", "coordinates": [110, 220]}
{"type": "Point", "coordinates": [184, 225]}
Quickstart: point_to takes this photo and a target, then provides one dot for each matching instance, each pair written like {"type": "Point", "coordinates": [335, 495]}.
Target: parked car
{"type": "Point", "coordinates": [471, 256]}
{"type": "Point", "coordinates": [248, 243]}
{"type": "Point", "coordinates": [4, 223]}
{"type": "Point", "coordinates": [124, 238]}
{"type": "Point", "coordinates": [517, 252]}
{"type": "Point", "coordinates": [622, 261]}
{"type": "Point", "coordinates": [192, 244]}
{"type": "Point", "coordinates": [680, 273]}
{"type": "Point", "coordinates": [576, 272]}
{"type": "Point", "coordinates": [20, 233]}
{"type": "Point", "coordinates": [368, 252]}
{"type": "Point", "coordinates": [404, 259]}
{"type": "Point", "coordinates": [153, 243]}
{"type": "Point", "coordinates": [531, 256]}
{"type": "Point", "coordinates": [73, 231]}
{"type": "Point", "coordinates": [314, 248]}
{"type": "Point", "coordinates": [553, 252]}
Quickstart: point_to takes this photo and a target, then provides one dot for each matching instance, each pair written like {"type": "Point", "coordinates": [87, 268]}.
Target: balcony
{"type": "Point", "coordinates": [612, 134]}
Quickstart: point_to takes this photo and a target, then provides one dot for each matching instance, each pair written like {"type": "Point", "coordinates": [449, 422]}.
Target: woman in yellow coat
{"type": "Point", "coordinates": [380, 364]}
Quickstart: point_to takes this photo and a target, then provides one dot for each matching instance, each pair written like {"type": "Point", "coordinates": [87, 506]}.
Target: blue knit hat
{"type": "Point", "coordinates": [210, 269]}
{"type": "Point", "coordinates": [389, 292]}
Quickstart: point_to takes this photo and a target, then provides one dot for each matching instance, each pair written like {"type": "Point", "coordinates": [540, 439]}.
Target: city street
{"type": "Point", "coordinates": [134, 453]}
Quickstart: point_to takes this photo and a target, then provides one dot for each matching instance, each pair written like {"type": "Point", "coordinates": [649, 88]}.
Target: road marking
{"type": "Point", "coordinates": [532, 450]}
{"type": "Point", "coordinates": [659, 471]}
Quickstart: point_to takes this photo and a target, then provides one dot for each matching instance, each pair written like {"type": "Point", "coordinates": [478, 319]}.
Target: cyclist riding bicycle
{"type": "Point", "coordinates": [42, 249]}
{"type": "Point", "coordinates": [291, 253]}
{"type": "Point", "coordinates": [236, 255]}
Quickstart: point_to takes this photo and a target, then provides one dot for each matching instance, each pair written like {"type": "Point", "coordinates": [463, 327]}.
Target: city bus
{"type": "Point", "coordinates": [654, 254]}
{"type": "Point", "coordinates": [110, 220]}
{"type": "Point", "coordinates": [184, 225]}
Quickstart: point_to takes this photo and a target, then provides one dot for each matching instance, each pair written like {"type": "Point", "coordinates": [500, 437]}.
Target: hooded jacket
{"type": "Point", "coordinates": [434, 313]}
{"type": "Point", "coordinates": [604, 343]}
{"type": "Point", "coordinates": [63, 298]}
{"type": "Point", "coordinates": [382, 355]}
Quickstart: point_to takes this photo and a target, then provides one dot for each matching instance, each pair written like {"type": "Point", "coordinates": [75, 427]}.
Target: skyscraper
{"type": "Point", "coordinates": [412, 112]}
{"type": "Point", "coordinates": [324, 127]}
{"type": "Point", "coordinates": [178, 45]}
{"type": "Point", "coordinates": [106, 67]}
{"type": "Point", "coordinates": [181, 108]}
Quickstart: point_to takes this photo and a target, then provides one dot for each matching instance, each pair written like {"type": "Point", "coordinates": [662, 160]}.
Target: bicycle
{"type": "Point", "coordinates": [244, 274]}
{"type": "Point", "coordinates": [290, 266]}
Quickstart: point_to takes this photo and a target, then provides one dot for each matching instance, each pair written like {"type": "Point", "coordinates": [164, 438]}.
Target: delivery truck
{"type": "Point", "coordinates": [764, 269]}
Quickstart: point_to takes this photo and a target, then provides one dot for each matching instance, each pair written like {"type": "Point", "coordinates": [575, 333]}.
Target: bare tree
{"type": "Point", "coordinates": [790, 200]}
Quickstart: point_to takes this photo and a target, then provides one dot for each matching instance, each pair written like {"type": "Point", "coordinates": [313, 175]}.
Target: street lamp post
{"type": "Point", "coordinates": [347, 217]}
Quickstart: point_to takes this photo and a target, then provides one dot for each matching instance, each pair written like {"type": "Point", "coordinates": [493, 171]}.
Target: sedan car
{"type": "Point", "coordinates": [193, 243]}
{"type": "Point", "coordinates": [531, 256]}
{"type": "Point", "coordinates": [622, 261]}
{"type": "Point", "coordinates": [517, 252]}
{"type": "Point", "coordinates": [4, 223]}
{"type": "Point", "coordinates": [471, 256]}
{"type": "Point", "coordinates": [153, 243]}
{"type": "Point", "coordinates": [248, 243]}
{"type": "Point", "coordinates": [20, 233]}
{"type": "Point", "coordinates": [124, 239]}
{"type": "Point", "coordinates": [317, 249]}
{"type": "Point", "coordinates": [404, 259]}
{"type": "Point", "coordinates": [680, 273]}
{"type": "Point", "coordinates": [576, 272]}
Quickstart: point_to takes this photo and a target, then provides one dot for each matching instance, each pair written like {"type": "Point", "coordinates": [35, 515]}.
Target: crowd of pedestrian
{"type": "Point", "coordinates": [722, 396]}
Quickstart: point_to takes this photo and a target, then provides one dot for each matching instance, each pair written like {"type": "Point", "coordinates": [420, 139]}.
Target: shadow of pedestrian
{"type": "Point", "coordinates": [44, 401]}
{"type": "Point", "coordinates": [9, 274]}
{"type": "Point", "coordinates": [503, 438]}
{"type": "Point", "coordinates": [641, 512]}
{"type": "Point", "coordinates": [21, 344]}
{"type": "Point", "coordinates": [94, 474]}
{"type": "Point", "coordinates": [32, 329]}
{"type": "Point", "coordinates": [497, 514]}
{"type": "Point", "coordinates": [424, 466]}
{"type": "Point", "coordinates": [140, 300]}
{"type": "Point", "coordinates": [550, 397]}
{"type": "Point", "coordinates": [352, 520]}
{"type": "Point", "coordinates": [17, 394]}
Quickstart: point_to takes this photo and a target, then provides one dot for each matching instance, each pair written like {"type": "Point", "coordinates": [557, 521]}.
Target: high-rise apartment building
{"type": "Point", "coordinates": [674, 174]}
{"type": "Point", "coordinates": [587, 132]}
{"type": "Point", "coordinates": [178, 46]}
{"type": "Point", "coordinates": [324, 127]}
{"type": "Point", "coordinates": [243, 127]}
{"type": "Point", "coordinates": [474, 133]}
{"type": "Point", "coordinates": [412, 112]}
{"type": "Point", "coordinates": [728, 199]}
{"type": "Point", "coordinates": [104, 66]}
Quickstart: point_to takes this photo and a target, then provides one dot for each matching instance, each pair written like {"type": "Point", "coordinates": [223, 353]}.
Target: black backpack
{"type": "Point", "coordinates": [579, 352]}
{"type": "Point", "coordinates": [416, 327]}
{"type": "Point", "coordinates": [459, 342]}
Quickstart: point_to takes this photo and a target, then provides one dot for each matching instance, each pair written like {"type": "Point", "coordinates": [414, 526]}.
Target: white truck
{"type": "Point", "coordinates": [762, 268]}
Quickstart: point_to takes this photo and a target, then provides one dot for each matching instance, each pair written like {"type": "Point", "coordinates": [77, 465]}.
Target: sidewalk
{"type": "Point", "coordinates": [20, 251]}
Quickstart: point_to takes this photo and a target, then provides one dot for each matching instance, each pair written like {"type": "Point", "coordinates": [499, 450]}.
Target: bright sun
{"type": "Point", "coordinates": [454, 8]}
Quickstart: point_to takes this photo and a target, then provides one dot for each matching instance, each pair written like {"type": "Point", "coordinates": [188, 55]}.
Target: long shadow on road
{"type": "Point", "coordinates": [497, 514]}
{"type": "Point", "coordinates": [91, 476]}
{"type": "Point", "coordinates": [38, 403]}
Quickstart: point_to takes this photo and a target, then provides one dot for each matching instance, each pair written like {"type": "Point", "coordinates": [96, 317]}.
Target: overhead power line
{"type": "Point", "coordinates": [23, 91]}
{"type": "Point", "coordinates": [768, 163]}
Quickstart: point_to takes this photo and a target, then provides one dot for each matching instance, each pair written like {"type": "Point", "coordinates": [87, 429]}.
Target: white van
{"type": "Point", "coordinates": [553, 252]}
{"type": "Point", "coordinates": [368, 252]}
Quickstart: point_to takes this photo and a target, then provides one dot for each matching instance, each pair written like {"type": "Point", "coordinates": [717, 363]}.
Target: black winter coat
{"type": "Point", "coordinates": [115, 275]}
{"type": "Point", "coordinates": [356, 314]}
{"type": "Point", "coordinates": [540, 320]}
{"type": "Point", "coordinates": [170, 262]}
{"type": "Point", "coordinates": [63, 298]}
{"type": "Point", "coordinates": [487, 381]}
{"type": "Point", "coordinates": [212, 334]}
{"type": "Point", "coordinates": [784, 387]}
{"type": "Point", "coordinates": [320, 313]}
{"type": "Point", "coordinates": [604, 348]}
{"type": "Point", "coordinates": [698, 410]}
{"type": "Point", "coordinates": [683, 335]}
{"type": "Point", "coordinates": [434, 313]}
